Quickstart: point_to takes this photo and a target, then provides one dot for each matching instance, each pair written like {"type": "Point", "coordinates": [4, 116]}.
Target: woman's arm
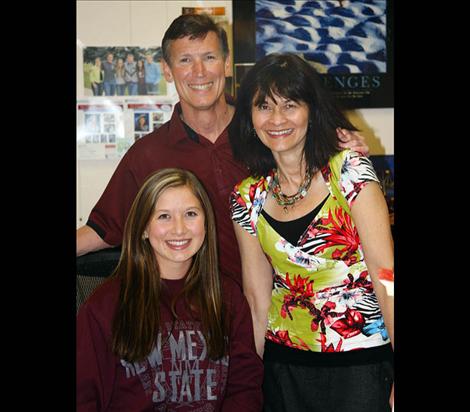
{"type": "Point", "coordinates": [245, 373]}
{"type": "Point", "coordinates": [370, 214]}
{"type": "Point", "coordinates": [257, 283]}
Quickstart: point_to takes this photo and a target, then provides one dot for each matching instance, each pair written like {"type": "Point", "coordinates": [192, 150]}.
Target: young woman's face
{"type": "Point", "coordinates": [281, 125]}
{"type": "Point", "coordinates": [176, 231]}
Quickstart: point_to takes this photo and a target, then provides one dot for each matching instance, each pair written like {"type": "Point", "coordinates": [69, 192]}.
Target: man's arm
{"type": "Point", "coordinates": [352, 140]}
{"type": "Point", "coordinates": [89, 241]}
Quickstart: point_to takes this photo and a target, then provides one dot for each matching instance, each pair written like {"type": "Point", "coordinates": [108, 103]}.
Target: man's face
{"type": "Point", "coordinates": [198, 69]}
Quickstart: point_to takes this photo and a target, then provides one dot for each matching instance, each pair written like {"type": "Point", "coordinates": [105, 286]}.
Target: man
{"type": "Point", "coordinates": [130, 75]}
{"type": "Point", "coordinates": [152, 75]}
{"type": "Point", "coordinates": [196, 58]}
{"type": "Point", "coordinates": [109, 81]}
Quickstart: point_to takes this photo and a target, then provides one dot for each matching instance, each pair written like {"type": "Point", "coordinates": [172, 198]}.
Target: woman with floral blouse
{"type": "Point", "coordinates": [314, 235]}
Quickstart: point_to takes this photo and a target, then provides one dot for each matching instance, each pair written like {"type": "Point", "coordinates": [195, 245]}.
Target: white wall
{"type": "Point", "coordinates": [143, 23]}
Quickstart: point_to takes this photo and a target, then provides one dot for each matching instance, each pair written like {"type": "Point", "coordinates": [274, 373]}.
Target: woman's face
{"type": "Point", "coordinates": [281, 124]}
{"type": "Point", "coordinates": [176, 231]}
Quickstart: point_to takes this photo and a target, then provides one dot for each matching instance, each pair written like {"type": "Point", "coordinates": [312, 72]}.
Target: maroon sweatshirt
{"type": "Point", "coordinates": [177, 375]}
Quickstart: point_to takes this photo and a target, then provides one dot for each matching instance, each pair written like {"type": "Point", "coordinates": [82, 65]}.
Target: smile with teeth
{"type": "Point", "coordinates": [178, 244]}
{"type": "Point", "coordinates": [280, 132]}
{"type": "Point", "coordinates": [204, 86]}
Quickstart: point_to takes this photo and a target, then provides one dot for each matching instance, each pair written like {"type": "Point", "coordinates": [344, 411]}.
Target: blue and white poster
{"type": "Point", "coordinates": [348, 42]}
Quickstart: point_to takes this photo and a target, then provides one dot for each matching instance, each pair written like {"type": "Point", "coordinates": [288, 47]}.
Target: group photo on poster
{"type": "Point", "coordinates": [123, 71]}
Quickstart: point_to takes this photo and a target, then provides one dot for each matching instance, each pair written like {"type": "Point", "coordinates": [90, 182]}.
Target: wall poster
{"type": "Point", "coordinates": [123, 71]}
{"type": "Point", "coordinates": [148, 116]}
{"type": "Point", "coordinates": [349, 42]}
{"type": "Point", "coordinates": [100, 130]}
{"type": "Point", "coordinates": [107, 128]}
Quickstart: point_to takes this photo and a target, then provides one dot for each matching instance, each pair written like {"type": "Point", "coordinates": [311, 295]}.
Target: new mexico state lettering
{"type": "Point", "coordinates": [186, 385]}
{"type": "Point", "coordinates": [178, 369]}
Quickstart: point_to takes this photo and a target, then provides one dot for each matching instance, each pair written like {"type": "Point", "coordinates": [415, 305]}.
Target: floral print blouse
{"type": "Point", "coordinates": [323, 299]}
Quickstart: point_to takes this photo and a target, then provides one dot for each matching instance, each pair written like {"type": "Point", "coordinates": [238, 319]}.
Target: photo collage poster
{"type": "Point", "coordinates": [100, 130]}
{"type": "Point", "coordinates": [106, 129]}
{"type": "Point", "coordinates": [123, 97]}
{"type": "Point", "coordinates": [147, 117]}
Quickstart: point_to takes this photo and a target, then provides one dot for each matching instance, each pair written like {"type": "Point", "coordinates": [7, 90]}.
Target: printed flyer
{"type": "Point", "coordinates": [100, 130]}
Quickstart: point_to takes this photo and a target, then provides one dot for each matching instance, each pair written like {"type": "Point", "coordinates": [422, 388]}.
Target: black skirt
{"type": "Point", "coordinates": [322, 386]}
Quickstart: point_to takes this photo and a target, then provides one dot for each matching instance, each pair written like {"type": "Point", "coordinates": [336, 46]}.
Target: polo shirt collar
{"type": "Point", "coordinates": [180, 131]}
{"type": "Point", "coordinates": [177, 128]}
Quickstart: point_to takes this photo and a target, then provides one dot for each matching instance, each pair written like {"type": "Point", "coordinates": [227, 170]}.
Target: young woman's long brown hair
{"type": "Point", "coordinates": [137, 317]}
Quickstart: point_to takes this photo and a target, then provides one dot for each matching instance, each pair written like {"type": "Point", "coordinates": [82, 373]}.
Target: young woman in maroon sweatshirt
{"type": "Point", "coordinates": [168, 332]}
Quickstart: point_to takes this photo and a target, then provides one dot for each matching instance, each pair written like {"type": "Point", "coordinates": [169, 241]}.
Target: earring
{"type": "Point", "coordinates": [145, 236]}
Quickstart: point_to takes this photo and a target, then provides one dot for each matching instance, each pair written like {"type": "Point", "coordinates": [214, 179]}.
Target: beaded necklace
{"type": "Point", "coordinates": [284, 200]}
